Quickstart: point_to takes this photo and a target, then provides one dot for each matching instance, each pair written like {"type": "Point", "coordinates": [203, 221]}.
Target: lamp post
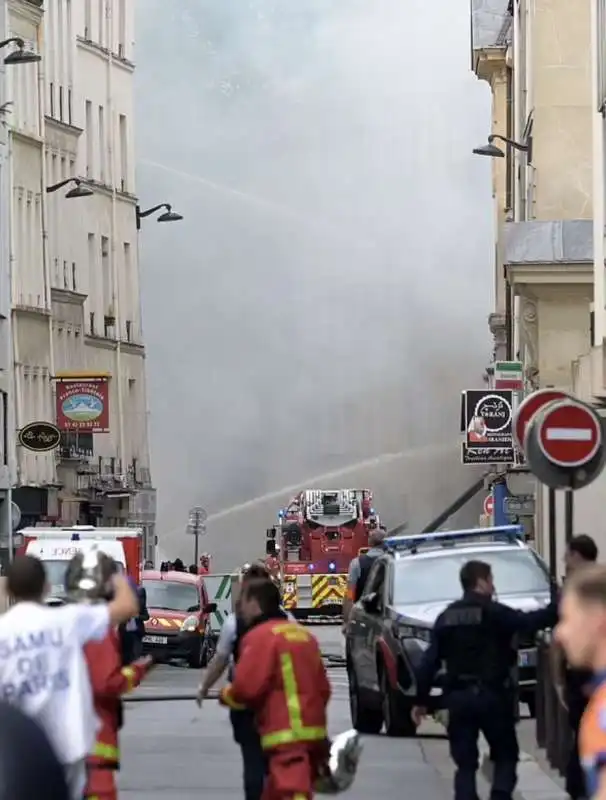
{"type": "Point", "coordinates": [79, 190]}
{"type": "Point", "coordinates": [168, 216]}
{"type": "Point", "coordinates": [20, 55]}
{"type": "Point", "coordinates": [490, 149]}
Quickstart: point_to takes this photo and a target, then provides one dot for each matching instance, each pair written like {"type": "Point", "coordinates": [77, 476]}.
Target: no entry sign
{"type": "Point", "coordinates": [569, 434]}
{"type": "Point", "coordinates": [529, 407]}
{"type": "Point", "coordinates": [489, 505]}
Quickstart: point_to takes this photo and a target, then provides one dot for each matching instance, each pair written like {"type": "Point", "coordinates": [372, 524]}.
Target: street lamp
{"type": "Point", "coordinates": [168, 216]}
{"type": "Point", "coordinates": [20, 55]}
{"type": "Point", "coordinates": [78, 191]}
{"type": "Point", "coordinates": [493, 151]}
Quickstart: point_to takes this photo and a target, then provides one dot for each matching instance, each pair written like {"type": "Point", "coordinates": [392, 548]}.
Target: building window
{"type": "Point", "coordinates": [70, 108]}
{"type": "Point", "coordinates": [51, 99]}
{"type": "Point", "coordinates": [129, 331]}
{"type": "Point", "coordinates": [65, 274]}
{"type": "Point", "coordinates": [101, 9]}
{"type": "Point", "coordinates": [106, 274]}
{"type": "Point", "coordinates": [74, 282]}
{"type": "Point", "coordinates": [89, 139]}
{"type": "Point", "coordinates": [122, 28]}
{"type": "Point", "coordinates": [102, 144]}
{"type": "Point", "coordinates": [510, 165]}
{"type": "Point", "coordinates": [88, 19]}
{"type": "Point", "coordinates": [91, 318]}
{"type": "Point", "coordinates": [123, 153]}
{"type": "Point", "coordinates": [61, 117]}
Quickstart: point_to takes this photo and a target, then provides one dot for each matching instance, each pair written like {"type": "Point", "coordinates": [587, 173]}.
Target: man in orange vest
{"type": "Point", "coordinates": [281, 677]}
{"type": "Point", "coordinates": [109, 682]}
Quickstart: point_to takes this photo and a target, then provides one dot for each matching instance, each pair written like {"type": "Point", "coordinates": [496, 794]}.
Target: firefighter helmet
{"type": "Point", "coordinates": [89, 576]}
{"type": "Point", "coordinates": [342, 764]}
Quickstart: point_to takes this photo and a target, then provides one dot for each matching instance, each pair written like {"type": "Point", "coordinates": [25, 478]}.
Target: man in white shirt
{"type": "Point", "coordinates": [42, 665]}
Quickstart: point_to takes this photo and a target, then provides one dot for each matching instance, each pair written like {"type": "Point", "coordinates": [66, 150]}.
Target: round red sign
{"type": "Point", "coordinates": [488, 505]}
{"type": "Point", "coordinates": [569, 434]}
{"type": "Point", "coordinates": [529, 407]}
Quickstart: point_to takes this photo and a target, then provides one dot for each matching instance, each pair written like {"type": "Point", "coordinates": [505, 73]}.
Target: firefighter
{"type": "Point", "coordinates": [110, 680]}
{"type": "Point", "coordinates": [281, 678]}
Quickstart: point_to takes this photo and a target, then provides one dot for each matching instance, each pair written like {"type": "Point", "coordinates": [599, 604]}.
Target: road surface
{"type": "Point", "coordinates": [173, 751]}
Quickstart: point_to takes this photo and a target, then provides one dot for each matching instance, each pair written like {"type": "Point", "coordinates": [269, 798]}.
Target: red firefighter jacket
{"type": "Point", "coordinates": [281, 677]}
{"type": "Point", "coordinates": [109, 681]}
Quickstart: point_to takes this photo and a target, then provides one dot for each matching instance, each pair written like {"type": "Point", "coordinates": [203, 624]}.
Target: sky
{"type": "Point", "coordinates": [325, 299]}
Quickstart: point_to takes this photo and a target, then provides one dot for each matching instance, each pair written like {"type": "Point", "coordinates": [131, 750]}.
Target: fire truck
{"type": "Point", "coordinates": [317, 536]}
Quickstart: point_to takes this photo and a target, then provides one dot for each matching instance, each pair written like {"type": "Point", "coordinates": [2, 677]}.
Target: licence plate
{"type": "Point", "coordinates": [527, 658]}
{"type": "Point", "coordinates": [155, 640]}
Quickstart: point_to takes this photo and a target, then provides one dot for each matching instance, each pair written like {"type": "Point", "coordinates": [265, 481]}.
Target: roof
{"type": "Point", "coordinates": [562, 241]}
{"type": "Point", "coordinates": [171, 576]}
{"type": "Point", "coordinates": [488, 18]}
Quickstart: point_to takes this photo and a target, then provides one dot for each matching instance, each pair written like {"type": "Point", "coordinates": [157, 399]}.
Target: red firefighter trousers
{"type": "Point", "coordinates": [101, 784]}
{"type": "Point", "coordinates": [292, 770]}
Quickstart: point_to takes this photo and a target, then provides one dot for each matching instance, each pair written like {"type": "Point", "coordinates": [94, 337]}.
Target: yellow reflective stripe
{"type": "Point", "coordinates": [108, 751]}
{"type": "Point", "coordinates": [227, 698]}
{"type": "Point", "coordinates": [297, 731]}
{"type": "Point", "coordinates": [292, 736]}
{"type": "Point", "coordinates": [131, 677]}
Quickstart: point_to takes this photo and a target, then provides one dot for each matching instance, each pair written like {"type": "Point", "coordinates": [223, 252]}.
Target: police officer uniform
{"type": "Point", "coordinates": [473, 637]}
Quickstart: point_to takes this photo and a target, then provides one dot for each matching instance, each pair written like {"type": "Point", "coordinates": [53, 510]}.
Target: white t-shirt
{"type": "Point", "coordinates": [43, 670]}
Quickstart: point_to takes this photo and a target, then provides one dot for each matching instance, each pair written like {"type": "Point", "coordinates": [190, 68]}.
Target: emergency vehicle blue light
{"type": "Point", "coordinates": [332, 566]}
{"type": "Point", "coordinates": [311, 566]}
{"type": "Point", "coordinates": [500, 533]}
{"type": "Point", "coordinates": [75, 537]}
{"type": "Point", "coordinates": [372, 511]}
{"type": "Point", "coordinates": [280, 514]}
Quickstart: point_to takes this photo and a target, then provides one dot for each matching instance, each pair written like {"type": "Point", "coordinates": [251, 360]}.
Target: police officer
{"type": "Point", "coordinates": [28, 766]}
{"type": "Point", "coordinates": [359, 570]}
{"type": "Point", "coordinates": [474, 637]}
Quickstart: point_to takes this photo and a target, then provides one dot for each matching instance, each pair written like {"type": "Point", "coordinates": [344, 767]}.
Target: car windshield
{"type": "Point", "coordinates": [428, 580]}
{"type": "Point", "coordinates": [171, 595]}
{"type": "Point", "coordinates": [55, 576]}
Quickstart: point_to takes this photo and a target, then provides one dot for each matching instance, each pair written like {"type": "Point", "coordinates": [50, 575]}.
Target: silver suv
{"type": "Point", "coordinates": [407, 588]}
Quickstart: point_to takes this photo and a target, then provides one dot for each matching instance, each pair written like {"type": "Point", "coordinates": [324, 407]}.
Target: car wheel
{"type": "Point", "coordinates": [364, 720]}
{"type": "Point", "coordinates": [396, 710]}
{"type": "Point", "coordinates": [196, 657]}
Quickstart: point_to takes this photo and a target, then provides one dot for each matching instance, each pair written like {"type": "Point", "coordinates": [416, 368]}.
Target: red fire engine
{"type": "Point", "coordinates": [317, 536]}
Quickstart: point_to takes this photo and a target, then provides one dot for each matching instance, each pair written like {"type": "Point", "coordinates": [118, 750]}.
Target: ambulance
{"type": "Point", "coordinates": [57, 546]}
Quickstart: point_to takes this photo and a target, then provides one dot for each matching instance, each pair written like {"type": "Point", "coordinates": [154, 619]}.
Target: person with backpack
{"type": "Point", "coordinates": [359, 570]}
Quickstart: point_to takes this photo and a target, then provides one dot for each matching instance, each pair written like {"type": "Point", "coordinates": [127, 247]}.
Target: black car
{"type": "Point", "coordinates": [406, 590]}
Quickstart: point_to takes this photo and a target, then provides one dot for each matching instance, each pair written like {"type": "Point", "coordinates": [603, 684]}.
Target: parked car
{"type": "Point", "coordinates": [406, 590]}
{"type": "Point", "coordinates": [179, 617]}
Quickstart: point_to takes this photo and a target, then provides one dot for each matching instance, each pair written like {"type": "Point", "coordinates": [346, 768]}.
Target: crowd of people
{"type": "Point", "coordinates": [202, 568]}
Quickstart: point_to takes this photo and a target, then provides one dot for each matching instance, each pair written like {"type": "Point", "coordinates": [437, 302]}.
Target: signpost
{"type": "Point", "coordinates": [563, 442]}
{"type": "Point", "coordinates": [569, 434]}
{"type": "Point", "coordinates": [509, 375]}
{"type": "Point", "coordinates": [196, 526]}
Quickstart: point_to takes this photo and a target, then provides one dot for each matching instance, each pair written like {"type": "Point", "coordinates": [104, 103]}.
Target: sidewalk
{"type": "Point", "coordinates": [536, 781]}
